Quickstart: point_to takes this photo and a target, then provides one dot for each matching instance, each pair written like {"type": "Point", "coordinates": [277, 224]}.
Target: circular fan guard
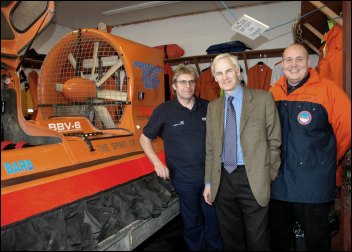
{"type": "Point", "coordinates": [83, 75]}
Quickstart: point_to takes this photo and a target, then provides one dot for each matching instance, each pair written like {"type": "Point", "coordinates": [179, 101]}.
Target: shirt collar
{"type": "Point", "coordinates": [237, 93]}
{"type": "Point", "coordinates": [178, 105]}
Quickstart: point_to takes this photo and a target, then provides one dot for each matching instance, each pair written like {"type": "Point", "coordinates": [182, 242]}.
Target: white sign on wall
{"type": "Point", "coordinates": [249, 27]}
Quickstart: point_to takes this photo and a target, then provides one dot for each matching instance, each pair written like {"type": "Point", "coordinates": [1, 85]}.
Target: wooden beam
{"type": "Point", "coordinates": [327, 11]}
{"type": "Point", "coordinates": [245, 62]}
{"type": "Point", "coordinates": [347, 80]}
{"type": "Point", "coordinates": [197, 65]}
{"type": "Point", "coordinates": [313, 30]}
{"type": "Point", "coordinates": [311, 46]}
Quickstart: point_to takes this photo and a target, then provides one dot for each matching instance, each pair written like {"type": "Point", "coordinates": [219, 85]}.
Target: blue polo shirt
{"type": "Point", "coordinates": [183, 132]}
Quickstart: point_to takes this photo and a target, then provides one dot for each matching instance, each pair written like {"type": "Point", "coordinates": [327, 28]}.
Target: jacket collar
{"type": "Point", "coordinates": [314, 78]}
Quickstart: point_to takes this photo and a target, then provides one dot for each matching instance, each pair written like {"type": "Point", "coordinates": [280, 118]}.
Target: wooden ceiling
{"type": "Point", "coordinates": [317, 20]}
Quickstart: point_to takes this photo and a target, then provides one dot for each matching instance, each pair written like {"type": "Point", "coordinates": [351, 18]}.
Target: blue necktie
{"type": "Point", "coordinates": [230, 147]}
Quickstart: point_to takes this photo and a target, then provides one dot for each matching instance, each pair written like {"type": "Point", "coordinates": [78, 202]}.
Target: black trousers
{"type": "Point", "coordinates": [201, 230]}
{"type": "Point", "coordinates": [313, 218]}
{"type": "Point", "coordinates": [242, 221]}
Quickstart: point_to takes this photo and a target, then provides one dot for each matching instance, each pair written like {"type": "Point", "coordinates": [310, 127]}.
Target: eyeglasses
{"type": "Point", "coordinates": [184, 82]}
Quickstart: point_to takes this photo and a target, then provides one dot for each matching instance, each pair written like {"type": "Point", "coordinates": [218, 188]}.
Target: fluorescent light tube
{"type": "Point", "coordinates": [137, 7]}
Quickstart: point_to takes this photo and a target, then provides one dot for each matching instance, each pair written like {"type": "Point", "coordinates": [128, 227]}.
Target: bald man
{"type": "Point", "coordinates": [315, 116]}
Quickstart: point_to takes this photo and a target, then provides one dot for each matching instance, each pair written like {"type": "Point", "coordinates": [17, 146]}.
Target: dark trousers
{"type": "Point", "coordinates": [242, 221]}
{"type": "Point", "coordinates": [313, 218]}
{"type": "Point", "coordinates": [201, 231]}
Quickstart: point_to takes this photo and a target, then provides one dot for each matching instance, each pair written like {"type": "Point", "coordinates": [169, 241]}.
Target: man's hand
{"type": "Point", "coordinates": [161, 170]}
{"type": "Point", "coordinates": [207, 194]}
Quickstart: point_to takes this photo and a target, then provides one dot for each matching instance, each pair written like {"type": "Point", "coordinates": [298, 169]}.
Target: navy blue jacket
{"type": "Point", "coordinates": [316, 132]}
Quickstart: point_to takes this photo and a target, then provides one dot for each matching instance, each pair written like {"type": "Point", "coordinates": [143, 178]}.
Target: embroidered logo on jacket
{"type": "Point", "coordinates": [304, 117]}
{"type": "Point", "coordinates": [179, 124]}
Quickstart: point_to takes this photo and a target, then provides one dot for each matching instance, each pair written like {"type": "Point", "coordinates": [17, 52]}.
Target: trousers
{"type": "Point", "coordinates": [201, 231]}
{"type": "Point", "coordinates": [313, 218]}
{"type": "Point", "coordinates": [242, 221]}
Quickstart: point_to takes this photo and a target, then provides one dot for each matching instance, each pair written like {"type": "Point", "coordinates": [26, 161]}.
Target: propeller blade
{"type": "Point", "coordinates": [72, 60]}
{"type": "Point", "coordinates": [122, 78]}
{"type": "Point", "coordinates": [105, 61]}
{"type": "Point", "coordinates": [95, 56]}
{"type": "Point", "coordinates": [112, 70]}
{"type": "Point", "coordinates": [59, 86]}
{"type": "Point", "coordinates": [104, 116]}
{"type": "Point", "coordinates": [112, 95]}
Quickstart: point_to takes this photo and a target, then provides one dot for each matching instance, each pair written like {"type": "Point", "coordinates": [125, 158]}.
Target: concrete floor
{"type": "Point", "coordinates": [168, 238]}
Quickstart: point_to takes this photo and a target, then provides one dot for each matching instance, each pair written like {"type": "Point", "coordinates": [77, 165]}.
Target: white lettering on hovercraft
{"type": "Point", "coordinates": [63, 126]}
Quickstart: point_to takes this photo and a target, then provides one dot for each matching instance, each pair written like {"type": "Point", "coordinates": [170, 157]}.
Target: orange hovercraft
{"type": "Point", "coordinates": [76, 174]}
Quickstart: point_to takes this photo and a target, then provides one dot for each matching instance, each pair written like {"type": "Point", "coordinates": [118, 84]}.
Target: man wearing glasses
{"type": "Point", "coordinates": [182, 125]}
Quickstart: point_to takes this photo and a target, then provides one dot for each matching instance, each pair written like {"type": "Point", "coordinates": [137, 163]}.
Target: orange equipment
{"type": "Point", "coordinates": [96, 91]}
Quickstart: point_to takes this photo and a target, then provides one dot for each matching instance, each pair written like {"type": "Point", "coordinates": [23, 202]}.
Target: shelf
{"type": "Point", "coordinates": [245, 55]}
{"type": "Point", "coordinates": [269, 53]}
